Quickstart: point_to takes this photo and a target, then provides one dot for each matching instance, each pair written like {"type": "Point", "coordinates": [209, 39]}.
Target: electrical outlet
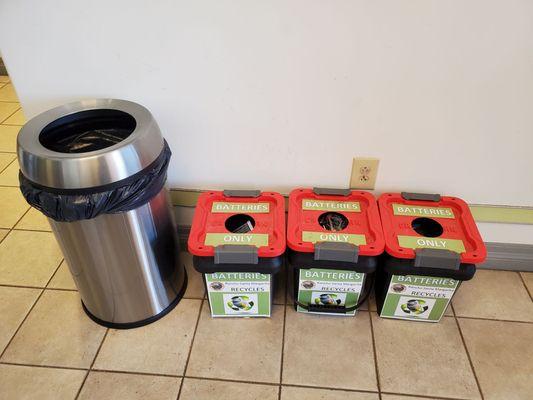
{"type": "Point", "coordinates": [364, 173]}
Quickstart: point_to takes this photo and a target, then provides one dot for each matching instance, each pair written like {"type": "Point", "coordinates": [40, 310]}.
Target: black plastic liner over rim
{"type": "Point", "coordinates": [68, 205]}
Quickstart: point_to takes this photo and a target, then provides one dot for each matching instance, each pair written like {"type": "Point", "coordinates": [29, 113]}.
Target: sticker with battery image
{"type": "Point", "coordinates": [234, 294]}
{"type": "Point", "coordinates": [418, 297]}
{"type": "Point", "coordinates": [329, 287]}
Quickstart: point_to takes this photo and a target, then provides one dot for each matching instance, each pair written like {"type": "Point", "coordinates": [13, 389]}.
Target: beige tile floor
{"type": "Point", "coordinates": [49, 349]}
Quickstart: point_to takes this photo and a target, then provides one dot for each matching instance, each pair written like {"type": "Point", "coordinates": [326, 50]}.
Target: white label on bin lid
{"type": "Point", "coordinates": [229, 207]}
{"type": "Point", "coordinates": [314, 237]}
{"type": "Point", "coordinates": [330, 205]}
{"type": "Point", "coordinates": [419, 242]}
{"type": "Point", "coordinates": [419, 211]}
{"type": "Point", "coordinates": [252, 239]}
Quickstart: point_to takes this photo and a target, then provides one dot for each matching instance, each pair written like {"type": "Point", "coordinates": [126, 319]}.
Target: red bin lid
{"type": "Point", "coordinates": [440, 222]}
{"type": "Point", "coordinates": [306, 206]}
{"type": "Point", "coordinates": [213, 210]}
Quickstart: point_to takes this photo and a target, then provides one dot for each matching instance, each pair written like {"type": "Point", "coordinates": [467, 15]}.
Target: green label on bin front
{"type": "Point", "coordinates": [422, 298]}
{"type": "Point", "coordinates": [329, 287]}
{"type": "Point", "coordinates": [418, 242]}
{"type": "Point", "coordinates": [331, 205]}
{"type": "Point", "coordinates": [239, 294]}
{"type": "Point", "coordinates": [419, 211]}
{"type": "Point", "coordinates": [254, 208]}
{"type": "Point", "coordinates": [315, 237]}
{"type": "Point", "coordinates": [253, 239]}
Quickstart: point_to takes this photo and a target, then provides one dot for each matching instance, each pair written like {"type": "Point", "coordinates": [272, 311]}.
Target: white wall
{"type": "Point", "coordinates": [279, 93]}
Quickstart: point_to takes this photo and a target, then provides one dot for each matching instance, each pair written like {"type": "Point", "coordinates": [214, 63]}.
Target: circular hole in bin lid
{"type": "Point", "coordinates": [332, 221]}
{"type": "Point", "coordinates": [240, 223]}
{"type": "Point", "coordinates": [427, 227]}
{"type": "Point", "coordinates": [87, 131]}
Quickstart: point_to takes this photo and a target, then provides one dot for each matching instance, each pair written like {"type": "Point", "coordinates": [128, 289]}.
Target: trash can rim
{"type": "Point", "coordinates": [119, 161]}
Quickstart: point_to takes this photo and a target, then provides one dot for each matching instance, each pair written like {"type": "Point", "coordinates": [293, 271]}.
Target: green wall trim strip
{"type": "Point", "coordinates": [184, 198]}
{"type": "Point", "coordinates": [502, 214]}
{"type": "Point", "coordinates": [482, 213]}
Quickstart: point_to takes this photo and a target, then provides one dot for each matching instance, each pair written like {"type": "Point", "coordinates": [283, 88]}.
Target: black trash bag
{"type": "Point", "coordinates": [68, 205]}
{"type": "Point", "coordinates": [87, 131]}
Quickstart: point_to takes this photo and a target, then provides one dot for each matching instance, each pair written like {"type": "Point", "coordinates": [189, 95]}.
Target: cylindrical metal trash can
{"type": "Point", "coordinates": [97, 169]}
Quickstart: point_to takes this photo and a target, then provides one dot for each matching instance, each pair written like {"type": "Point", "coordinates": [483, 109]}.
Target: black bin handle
{"type": "Point", "coordinates": [336, 309]}
{"type": "Point", "coordinates": [327, 309]}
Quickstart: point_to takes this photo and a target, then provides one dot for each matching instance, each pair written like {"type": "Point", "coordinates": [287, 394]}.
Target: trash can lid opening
{"type": "Point", "coordinates": [240, 223]}
{"type": "Point", "coordinates": [87, 131]}
{"type": "Point", "coordinates": [427, 227]}
{"type": "Point", "coordinates": [333, 221]}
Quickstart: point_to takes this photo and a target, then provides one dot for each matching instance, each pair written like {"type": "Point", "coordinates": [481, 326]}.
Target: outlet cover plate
{"type": "Point", "coordinates": [364, 173]}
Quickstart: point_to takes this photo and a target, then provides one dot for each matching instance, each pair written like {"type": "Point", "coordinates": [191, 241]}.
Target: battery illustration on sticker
{"type": "Point", "coordinates": [328, 299]}
{"type": "Point", "coordinates": [239, 303]}
{"type": "Point", "coordinates": [414, 306]}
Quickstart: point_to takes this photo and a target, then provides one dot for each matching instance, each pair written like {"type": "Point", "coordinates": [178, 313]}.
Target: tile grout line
{"type": "Point", "coordinates": [92, 364]}
{"type": "Point", "coordinates": [490, 319]}
{"type": "Point", "coordinates": [2, 239]}
{"type": "Point", "coordinates": [15, 224]}
{"type": "Point", "coordinates": [92, 370]}
{"type": "Point", "coordinates": [13, 227]}
{"type": "Point", "coordinates": [190, 348]}
{"type": "Point", "coordinates": [374, 351]}
{"type": "Point", "coordinates": [450, 304]}
{"type": "Point", "coordinates": [233, 381]}
{"type": "Point", "coordinates": [285, 384]}
{"type": "Point", "coordinates": [9, 116]}
{"type": "Point", "coordinates": [21, 323]}
{"type": "Point", "coordinates": [42, 366]}
{"type": "Point", "coordinates": [30, 230]}
{"type": "Point", "coordinates": [524, 283]}
{"type": "Point", "coordinates": [117, 371]}
{"type": "Point", "coordinates": [468, 355]}
{"type": "Point", "coordinates": [28, 313]}
{"type": "Point", "coordinates": [334, 389]}
{"type": "Point", "coordinates": [6, 167]}
{"type": "Point", "coordinates": [38, 287]}
{"type": "Point", "coordinates": [55, 273]}
{"type": "Point", "coordinates": [65, 289]}
{"type": "Point", "coordinates": [423, 397]}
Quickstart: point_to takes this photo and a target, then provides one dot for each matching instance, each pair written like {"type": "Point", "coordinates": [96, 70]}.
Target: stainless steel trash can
{"type": "Point", "coordinates": [97, 169]}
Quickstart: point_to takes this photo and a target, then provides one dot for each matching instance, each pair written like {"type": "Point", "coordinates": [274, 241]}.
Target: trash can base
{"type": "Point", "coordinates": [143, 322]}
